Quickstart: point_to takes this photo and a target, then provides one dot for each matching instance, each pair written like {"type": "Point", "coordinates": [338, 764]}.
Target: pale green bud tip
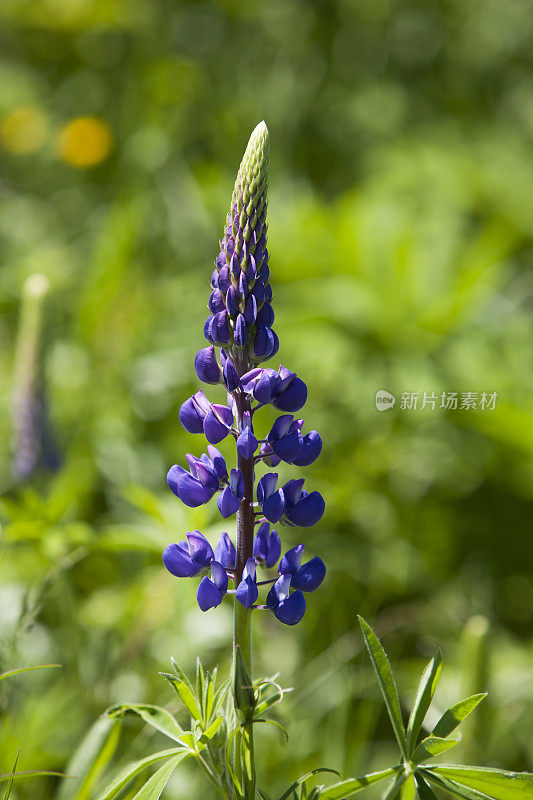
{"type": "Point", "coordinates": [254, 164]}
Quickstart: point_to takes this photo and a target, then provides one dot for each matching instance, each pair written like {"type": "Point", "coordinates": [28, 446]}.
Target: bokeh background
{"type": "Point", "coordinates": [401, 224]}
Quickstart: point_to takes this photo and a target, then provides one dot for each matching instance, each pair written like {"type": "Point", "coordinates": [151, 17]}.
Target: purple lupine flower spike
{"type": "Point", "coordinates": [240, 325]}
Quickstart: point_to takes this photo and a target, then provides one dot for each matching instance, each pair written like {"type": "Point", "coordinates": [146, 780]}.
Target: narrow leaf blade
{"type": "Point", "coordinates": [425, 792]}
{"type": "Point", "coordinates": [433, 746]}
{"type": "Point", "coordinates": [133, 769]}
{"type": "Point", "coordinates": [456, 714]}
{"type": "Point", "coordinates": [424, 696]}
{"type": "Point", "coordinates": [153, 788]}
{"type": "Point", "coordinates": [157, 717]}
{"type": "Point", "coordinates": [455, 789]}
{"type": "Point", "coordinates": [351, 786]}
{"type": "Point", "coordinates": [496, 783]}
{"type": "Point", "coordinates": [383, 671]}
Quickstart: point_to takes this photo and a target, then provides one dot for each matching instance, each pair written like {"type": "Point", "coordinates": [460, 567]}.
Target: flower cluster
{"type": "Point", "coordinates": [195, 556]}
{"type": "Point", "coordinates": [240, 325]}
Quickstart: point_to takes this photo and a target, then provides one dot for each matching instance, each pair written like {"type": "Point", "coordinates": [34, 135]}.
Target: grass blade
{"type": "Point", "coordinates": [153, 789]}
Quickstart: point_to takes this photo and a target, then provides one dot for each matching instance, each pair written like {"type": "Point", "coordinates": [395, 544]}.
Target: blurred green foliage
{"type": "Point", "coordinates": [401, 227]}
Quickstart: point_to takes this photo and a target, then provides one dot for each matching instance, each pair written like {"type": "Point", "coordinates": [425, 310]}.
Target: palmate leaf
{"type": "Point", "coordinates": [456, 714]}
{"type": "Point", "coordinates": [157, 717]}
{"type": "Point", "coordinates": [497, 784]}
{"type": "Point", "coordinates": [433, 746]}
{"type": "Point", "coordinates": [133, 769]}
{"type": "Point", "coordinates": [351, 786]}
{"type": "Point", "coordinates": [385, 677]}
{"type": "Point", "coordinates": [153, 788]}
{"type": "Point", "coordinates": [424, 696]}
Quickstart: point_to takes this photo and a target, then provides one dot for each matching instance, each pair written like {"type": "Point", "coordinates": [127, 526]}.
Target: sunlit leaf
{"type": "Point", "coordinates": [424, 696]}
{"type": "Point", "coordinates": [433, 746]}
{"type": "Point", "coordinates": [153, 789]}
{"type": "Point", "coordinates": [497, 783]}
{"type": "Point", "coordinates": [456, 714]}
{"type": "Point", "coordinates": [385, 677]}
{"type": "Point", "coordinates": [136, 767]}
{"type": "Point", "coordinates": [157, 717]}
{"type": "Point", "coordinates": [351, 786]}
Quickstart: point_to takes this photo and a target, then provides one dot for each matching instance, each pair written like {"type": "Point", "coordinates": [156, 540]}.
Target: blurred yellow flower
{"type": "Point", "coordinates": [85, 141]}
{"type": "Point", "coordinates": [23, 130]}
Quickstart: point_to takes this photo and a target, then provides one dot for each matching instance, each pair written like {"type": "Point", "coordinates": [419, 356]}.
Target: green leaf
{"type": "Point", "coordinates": [153, 789]}
{"type": "Point", "coordinates": [185, 694]}
{"type": "Point", "coordinates": [425, 792]}
{"type": "Point", "coordinates": [433, 746]}
{"type": "Point", "coordinates": [157, 717]}
{"type": "Point", "coordinates": [463, 792]}
{"type": "Point", "coordinates": [210, 732]}
{"type": "Point", "coordinates": [244, 692]}
{"type": "Point", "coordinates": [209, 698]}
{"type": "Point", "coordinates": [456, 714]}
{"type": "Point", "coordinates": [19, 670]}
{"type": "Point", "coordinates": [497, 783]}
{"type": "Point", "coordinates": [181, 674]}
{"type": "Point", "coordinates": [137, 766]}
{"type": "Point", "coordinates": [383, 671]}
{"type": "Point", "coordinates": [408, 790]}
{"type": "Point", "coordinates": [351, 786]}
{"type": "Point", "coordinates": [10, 782]}
{"type": "Point", "coordinates": [30, 773]}
{"type": "Point", "coordinates": [200, 685]}
{"type": "Point", "coordinates": [90, 759]}
{"type": "Point", "coordinates": [424, 696]}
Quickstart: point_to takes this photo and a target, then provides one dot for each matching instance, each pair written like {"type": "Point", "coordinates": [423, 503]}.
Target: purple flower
{"type": "Point", "coordinates": [268, 455]}
{"type": "Point", "coordinates": [216, 301]}
{"type": "Point", "coordinates": [229, 373]}
{"type": "Point", "coordinates": [266, 343]}
{"type": "Point", "coordinates": [241, 332]}
{"type": "Point", "coordinates": [217, 423]}
{"type": "Point", "coordinates": [193, 412]}
{"type": "Point", "coordinates": [187, 558]}
{"type": "Point", "coordinates": [219, 328]}
{"type": "Point", "coordinates": [230, 498]}
{"type": "Point", "coordinates": [196, 487]}
{"type": "Point", "coordinates": [225, 552]}
{"type": "Point", "coordinates": [292, 391]}
{"type": "Point", "coordinates": [216, 460]}
{"type": "Point", "coordinates": [285, 437]}
{"type": "Point", "coordinates": [288, 608]}
{"type": "Point", "coordinates": [247, 592]}
{"type": "Point", "coordinates": [270, 499]}
{"type": "Point", "coordinates": [206, 365]}
{"type": "Point", "coordinates": [211, 591]}
{"type": "Point", "coordinates": [247, 443]}
{"type": "Point", "coordinates": [301, 508]}
{"type": "Point", "coordinates": [261, 383]}
{"type": "Point", "coordinates": [311, 449]}
{"type": "Point", "coordinates": [307, 577]}
{"type": "Point", "coordinates": [267, 546]}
